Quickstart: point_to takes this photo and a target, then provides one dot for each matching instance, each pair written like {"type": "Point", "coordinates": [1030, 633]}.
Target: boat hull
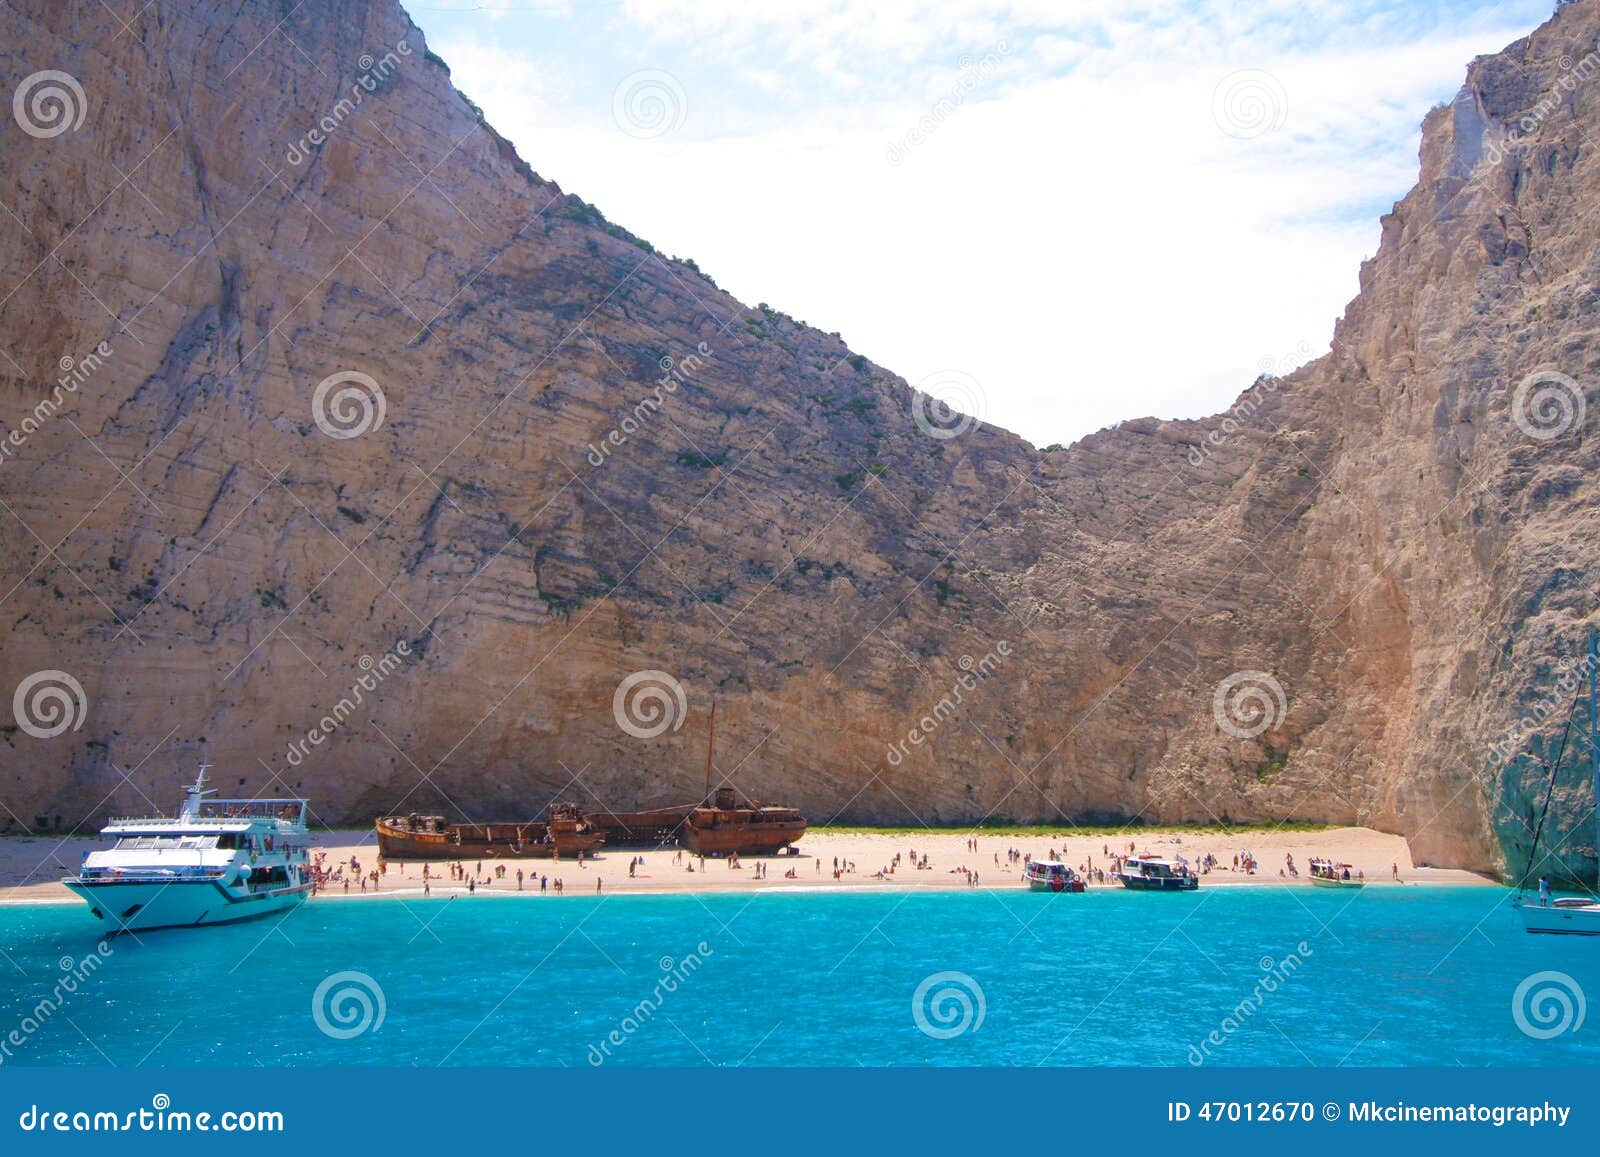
{"type": "Point", "coordinates": [1559, 921]}
{"type": "Point", "coordinates": [1321, 882]}
{"type": "Point", "coordinates": [1160, 883]}
{"type": "Point", "coordinates": [1048, 886]}
{"type": "Point", "coordinates": [144, 906]}
{"type": "Point", "coordinates": [469, 843]}
{"type": "Point", "coordinates": [656, 828]}
{"type": "Point", "coordinates": [741, 839]}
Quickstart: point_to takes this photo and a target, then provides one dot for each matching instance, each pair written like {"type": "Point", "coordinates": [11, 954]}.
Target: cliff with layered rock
{"type": "Point", "coordinates": [349, 452]}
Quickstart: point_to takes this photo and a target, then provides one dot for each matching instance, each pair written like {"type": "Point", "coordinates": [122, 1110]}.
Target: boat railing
{"type": "Point", "coordinates": [216, 811]}
{"type": "Point", "coordinates": [293, 810]}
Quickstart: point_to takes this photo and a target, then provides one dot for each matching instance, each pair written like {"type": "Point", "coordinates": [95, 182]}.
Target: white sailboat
{"type": "Point", "coordinates": [217, 862]}
{"type": "Point", "coordinates": [1567, 915]}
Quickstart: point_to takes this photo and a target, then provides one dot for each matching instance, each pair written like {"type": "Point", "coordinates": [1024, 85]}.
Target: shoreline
{"type": "Point", "coordinates": [30, 866]}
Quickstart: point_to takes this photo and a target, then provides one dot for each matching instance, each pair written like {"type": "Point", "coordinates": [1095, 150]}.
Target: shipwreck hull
{"type": "Point", "coordinates": [657, 828]}
{"type": "Point", "coordinates": [533, 841]}
{"type": "Point", "coordinates": [735, 836]}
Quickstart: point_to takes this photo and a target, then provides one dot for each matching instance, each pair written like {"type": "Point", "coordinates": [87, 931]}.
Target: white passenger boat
{"type": "Point", "coordinates": [218, 862]}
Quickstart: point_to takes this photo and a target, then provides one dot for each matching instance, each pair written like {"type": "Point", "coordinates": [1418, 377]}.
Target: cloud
{"type": "Point", "coordinates": [1081, 230]}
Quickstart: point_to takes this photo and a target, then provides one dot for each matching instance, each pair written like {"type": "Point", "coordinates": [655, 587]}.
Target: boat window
{"type": "Point", "coordinates": [157, 843]}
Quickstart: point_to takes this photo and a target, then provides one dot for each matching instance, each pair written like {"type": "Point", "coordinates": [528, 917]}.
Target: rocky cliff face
{"type": "Point", "coordinates": [349, 452]}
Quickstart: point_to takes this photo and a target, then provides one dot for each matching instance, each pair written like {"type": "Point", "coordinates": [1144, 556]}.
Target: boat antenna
{"type": "Point", "coordinates": [711, 739]}
{"type": "Point", "coordinates": [195, 794]}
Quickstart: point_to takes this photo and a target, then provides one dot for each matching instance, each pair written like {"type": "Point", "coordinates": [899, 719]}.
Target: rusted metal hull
{"type": "Point", "coordinates": [658, 827]}
{"type": "Point", "coordinates": [713, 832]}
{"type": "Point", "coordinates": [530, 841]}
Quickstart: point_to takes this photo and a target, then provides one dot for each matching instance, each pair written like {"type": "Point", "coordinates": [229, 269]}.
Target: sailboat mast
{"type": "Point", "coordinates": [1594, 731]}
{"type": "Point", "coordinates": [711, 739]}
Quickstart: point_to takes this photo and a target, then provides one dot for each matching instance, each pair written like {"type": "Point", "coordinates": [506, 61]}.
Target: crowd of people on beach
{"type": "Point", "coordinates": [348, 874]}
{"type": "Point", "coordinates": [323, 877]}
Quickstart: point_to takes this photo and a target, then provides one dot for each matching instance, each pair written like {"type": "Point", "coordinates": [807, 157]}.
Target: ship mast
{"type": "Point", "coordinates": [711, 739]}
{"type": "Point", "coordinates": [1594, 734]}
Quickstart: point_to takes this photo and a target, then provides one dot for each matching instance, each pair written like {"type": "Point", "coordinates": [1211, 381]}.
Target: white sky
{"type": "Point", "coordinates": [1127, 207]}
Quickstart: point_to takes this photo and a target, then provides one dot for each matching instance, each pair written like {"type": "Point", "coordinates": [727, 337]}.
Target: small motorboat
{"type": "Point", "coordinates": [1051, 876]}
{"type": "Point", "coordinates": [1327, 874]}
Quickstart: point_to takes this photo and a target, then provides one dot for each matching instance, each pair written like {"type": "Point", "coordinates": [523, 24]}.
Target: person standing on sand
{"type": "Point", "coordinates": [598, 880]}
{"type": "Point", "coordinates": [519, 879]}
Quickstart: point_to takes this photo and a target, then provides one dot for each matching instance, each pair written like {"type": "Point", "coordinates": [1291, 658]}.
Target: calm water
{"type": "Point", "coordinates": [1393, 976]}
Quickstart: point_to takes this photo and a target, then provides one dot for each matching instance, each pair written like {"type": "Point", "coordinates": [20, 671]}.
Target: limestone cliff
{"type": "Point", "coordinates": [330, 417]}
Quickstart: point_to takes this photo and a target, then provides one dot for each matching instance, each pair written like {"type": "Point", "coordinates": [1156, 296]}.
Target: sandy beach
{"type": "Point", "coordinates": [31, 866]}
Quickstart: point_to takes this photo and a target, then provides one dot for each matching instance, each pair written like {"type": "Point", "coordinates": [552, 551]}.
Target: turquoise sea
{"type": "Point", "coordinates": [1387, 976]}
